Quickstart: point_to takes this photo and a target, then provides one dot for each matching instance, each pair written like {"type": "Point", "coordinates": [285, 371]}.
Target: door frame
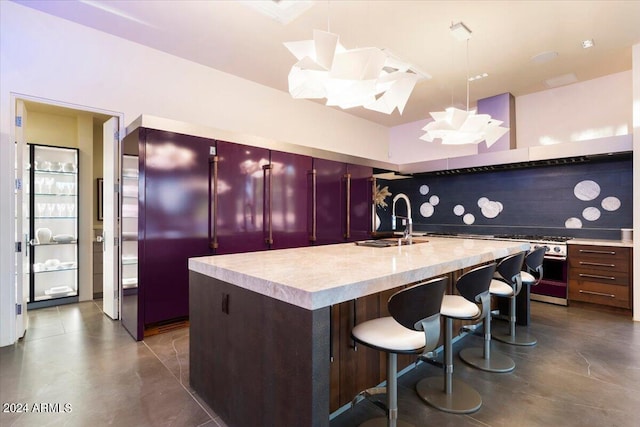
{"type": "Point", "coordinates": [9, 292]}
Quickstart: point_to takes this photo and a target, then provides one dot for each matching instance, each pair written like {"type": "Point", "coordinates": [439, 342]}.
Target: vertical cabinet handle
{"type": "Point", "coordinates": [354, 344]}
{"type": "Point", "coordinates": [267, 200]}
{"type": "Point", "coordinates": [213, 202]}
{"type": "Point", "coordinates": [347, 234]}
{"type": "Point", "coordinates": [314, 205]}
{"type": "Point", "coordinates": [374, 184]}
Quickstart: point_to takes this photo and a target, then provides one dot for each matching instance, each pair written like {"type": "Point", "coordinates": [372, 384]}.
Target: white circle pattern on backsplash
{"type": "Point", "coordinates": [458, 210]}
{"type": "Point", "coordinates": [424, 189]}
{"type": "Point", "coordinates": [611, 203]}
{"type": "Point", "coordinates": [426, 209]}
{"type": "Point", "coordinates": [469, 219]}
{"type": "Point", "coordinates": [573, 222]}
{"type": "Point", "coordinates": [591, 213]}
{"type": "Point", "coordinates": [586, 190]}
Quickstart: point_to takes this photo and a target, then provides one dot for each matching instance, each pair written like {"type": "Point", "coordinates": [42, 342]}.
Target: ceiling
{"type": "Point", "coordinates": [230, 36]}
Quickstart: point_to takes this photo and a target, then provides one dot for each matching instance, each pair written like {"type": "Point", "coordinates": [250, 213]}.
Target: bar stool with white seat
{"type": "Point", "coordinates": [530, 277]}
{"type": "Point", "coordinates": [473, 303]}
{"type": "Point", "coordinates": [412, 328]}
{"type": "Point", "coordinates": [483, 358]}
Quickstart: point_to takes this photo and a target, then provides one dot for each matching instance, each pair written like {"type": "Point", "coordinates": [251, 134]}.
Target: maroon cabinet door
{"type": "Point", "coordinates": [240, 186]}
{"type": "Point", "coordinates": [361, 202]}
{"type": "Point", "coordinates": [174, 221]}
{"type": "Point", "coordinates": [287, 221]}
{"type": "Point", "coordinates": [330, 203]}
{"type": "Point", "coordinates": [343, 201]}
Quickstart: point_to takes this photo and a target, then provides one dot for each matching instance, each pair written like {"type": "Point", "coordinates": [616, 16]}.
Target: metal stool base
{"type": "Point", "coordinates": [496, 363]}
{"type": "Point", "coordinates": [522, 338]}
{"type": "Point", "coordinates": [384, 422]}
{"type": "Point", "coordinates": [462, 400]}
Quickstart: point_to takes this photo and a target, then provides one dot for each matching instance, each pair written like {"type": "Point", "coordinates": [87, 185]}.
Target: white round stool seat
{"type": "Point", "coordinates": [458, 307]}
{"type": "Point", "coordinates": [500, 288]}
{"type": "Point", "coordinates": [386, 334]}
{"type": "Point", "coordinates": [527, 278]}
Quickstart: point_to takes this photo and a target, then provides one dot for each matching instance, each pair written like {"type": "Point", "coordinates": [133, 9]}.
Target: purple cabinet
{"type": "Point", "coordinates": [238, 218]}
{"type": "Point", "coordinates": [262, 199]}
{"type": "Point", "coordinates": [173, 224]}
{"type": "Point", "coordinates": [343, 201]}
{"type": "Point", "coordinates": [361, 202]}
{"type": "Point", "coordinates": [199, 196]}
{"type": "Point", "coordinates": [289, 200]}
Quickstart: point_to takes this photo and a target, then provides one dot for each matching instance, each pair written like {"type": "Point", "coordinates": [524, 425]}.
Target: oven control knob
{"type": "Point", "coordinates": [556, 249]}
{"type": "Point", "coordinates": [536, 246]}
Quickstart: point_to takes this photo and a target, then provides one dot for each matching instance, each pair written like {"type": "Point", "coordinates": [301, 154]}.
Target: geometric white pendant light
{"type": "Point", "coordinates": [365, 77]}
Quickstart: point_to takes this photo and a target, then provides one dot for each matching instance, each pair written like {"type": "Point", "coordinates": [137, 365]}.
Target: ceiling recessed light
{"type": "Point", "coordinates": [562, 80]}
{"type": "Point", "coordinates": [586, 44]}
{"type": "Point", "coordinates": [543, 57]}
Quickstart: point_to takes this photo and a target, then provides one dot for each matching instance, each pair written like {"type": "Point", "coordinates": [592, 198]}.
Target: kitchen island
{"type": "Point", "coordinates": [261, 322]}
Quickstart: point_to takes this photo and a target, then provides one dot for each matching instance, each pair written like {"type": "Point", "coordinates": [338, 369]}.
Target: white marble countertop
{"type": "Point", "coordinates": [319, 276]}
{"type": "Point", "coordinates": [601, 242]}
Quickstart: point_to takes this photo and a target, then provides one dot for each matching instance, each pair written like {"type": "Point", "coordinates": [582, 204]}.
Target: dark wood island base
{"type": "Point", "coordinates": [256, 360]}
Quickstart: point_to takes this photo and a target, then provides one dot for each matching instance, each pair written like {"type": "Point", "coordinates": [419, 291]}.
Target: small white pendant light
{"type": "Point", "coordinates": [456, 127]}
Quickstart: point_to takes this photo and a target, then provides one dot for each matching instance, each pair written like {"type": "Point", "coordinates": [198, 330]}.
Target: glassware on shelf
{"type": "Point", "coordinates": [38, 184]}
{"type": "Point", "coordinates": [71, 207]}
{"type": "Point", "coordinates": [50, 209]}
{"type": "Point", "coordinates": [48, 184]}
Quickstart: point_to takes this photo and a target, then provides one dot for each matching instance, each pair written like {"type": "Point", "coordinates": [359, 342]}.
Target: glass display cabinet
{"type": "Point", "coordinates": [53, 225]}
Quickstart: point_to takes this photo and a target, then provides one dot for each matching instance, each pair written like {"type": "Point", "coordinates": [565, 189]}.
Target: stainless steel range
{"type": "Point", "coordinates": [554, 285]}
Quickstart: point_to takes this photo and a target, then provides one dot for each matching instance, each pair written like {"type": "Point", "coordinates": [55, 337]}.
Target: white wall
{"type": "Point", "coordinates": [50, 58]}
{"type": "Point", "coordinates": [587, 110]}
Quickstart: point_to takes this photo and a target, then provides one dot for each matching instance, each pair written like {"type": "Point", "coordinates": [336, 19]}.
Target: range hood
{"type": "Point", "coordinates": [563, 153]}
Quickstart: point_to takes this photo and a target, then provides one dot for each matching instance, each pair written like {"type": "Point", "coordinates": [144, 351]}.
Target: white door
{"type": "Point", "coordinates": [23, 266]}
{"type": "Point", "coordinates": [111, 219]}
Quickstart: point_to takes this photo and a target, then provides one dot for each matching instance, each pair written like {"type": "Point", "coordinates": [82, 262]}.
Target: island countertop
{"type": "Point", "coordinates": [320, 276]}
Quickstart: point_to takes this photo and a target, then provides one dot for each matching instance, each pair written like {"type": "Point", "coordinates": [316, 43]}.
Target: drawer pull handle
{"type": "Point", "coordinates": [597, 264]}
{"type": "Point", "coordinates": [595, 276]}
{"type": "Point", "coordinates": [597, 293]}
{"type": "Point", "coordinates": [589, 251]}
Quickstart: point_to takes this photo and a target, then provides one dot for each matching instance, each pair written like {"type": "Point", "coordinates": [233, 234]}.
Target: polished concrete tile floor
{"type": "Point", "coordinates": [585, 371]}
{"type": "Point", "coordinates": [75, 355]}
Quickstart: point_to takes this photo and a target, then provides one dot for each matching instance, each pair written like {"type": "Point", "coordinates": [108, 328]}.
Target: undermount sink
{"type": "Point", "coordinates": [385, 243]}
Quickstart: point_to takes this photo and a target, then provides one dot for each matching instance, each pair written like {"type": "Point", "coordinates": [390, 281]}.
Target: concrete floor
{"type": "Point", "coordinates": [585, 371]}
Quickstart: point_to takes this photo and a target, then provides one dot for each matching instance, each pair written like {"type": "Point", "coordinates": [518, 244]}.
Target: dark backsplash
{"type": "Point", "coordinates": [593, 199]}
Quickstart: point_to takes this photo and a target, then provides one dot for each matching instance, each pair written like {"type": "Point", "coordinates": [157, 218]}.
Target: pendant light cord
{"type": "Point", "coordinates": [467, 75]}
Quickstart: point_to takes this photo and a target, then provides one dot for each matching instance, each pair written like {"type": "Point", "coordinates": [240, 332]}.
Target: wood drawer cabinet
{"type": "Point", "coordinates": [600, 274]}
